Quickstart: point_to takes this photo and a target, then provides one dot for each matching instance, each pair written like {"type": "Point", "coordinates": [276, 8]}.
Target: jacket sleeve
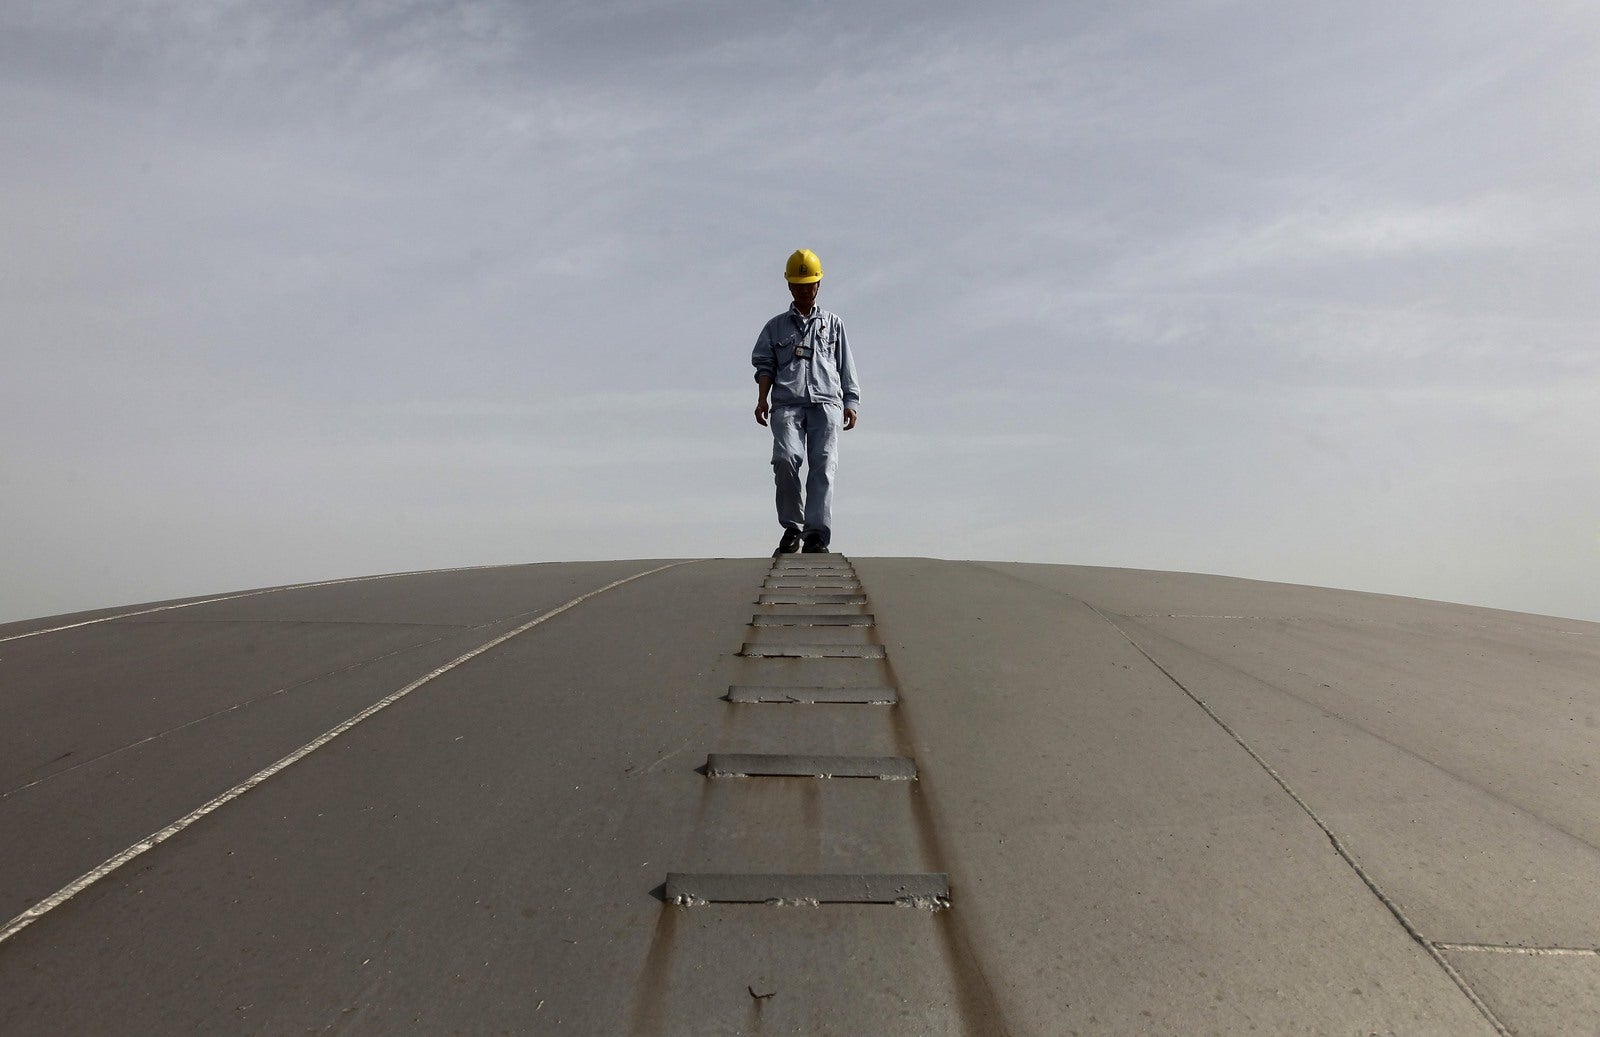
{"type": "Point", "coordinates": [764, 356]}
{"type": "Point", "coordinates": [850, 388]}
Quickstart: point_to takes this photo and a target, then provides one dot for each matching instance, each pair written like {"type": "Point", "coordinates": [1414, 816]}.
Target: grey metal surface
{"type": "Point", "coordinates": [809, 765]}
{"type": "Point", "coordinates": [1165, 803]}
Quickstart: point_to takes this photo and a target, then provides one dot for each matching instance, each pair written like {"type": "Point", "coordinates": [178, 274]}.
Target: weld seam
{"type": "Point", "coordinates": [150, 842]}
{"type": "Point", "coordinates": [1394, 908]}
{"type": "Point", "coordinates": [236, 597]}
{"type": "Point", "coordinates": [1505, 948]}
{"type": "Point", "coordinates": [258, 699]}
{"type": "Point", "coordinates": [203, 621]}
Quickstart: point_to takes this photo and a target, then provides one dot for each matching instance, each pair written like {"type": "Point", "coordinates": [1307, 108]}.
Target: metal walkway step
{"type": "Point", "coordinates": [920, 889]}
{"type": "Point", "coordinates": [776, 765]}
{"type": "Point", "coordinates": [813, 619]}
{"type": "Point", "coordinates": [776, 651]}
{"type": "Point", "coordinates": [790, 597]}
{"type": "Point", "coordinates": [807, 696]}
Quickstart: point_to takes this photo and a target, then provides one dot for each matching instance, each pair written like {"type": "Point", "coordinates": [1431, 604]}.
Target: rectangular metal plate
{"type": "Point", "coordinates": [794, 570]}
{"type": "Point", "coordinates": [774, 765]}
{"type": "Point", "coordinates": [924, 889]}
{"type": "Point", "coordinates": [808, 696]}
{"type": "Point", "coordinates": [809, 598]}
{"type": "Point", "coordinates": [813, 574]}
{"type": "Point", "coordinates": [811, 570]}
{"type": "Point", "coordinates": [814, 619]}
{"type": "Point", "coordinates": [835, 587]}
{"type": "Point", "coordinates": [766, 651]}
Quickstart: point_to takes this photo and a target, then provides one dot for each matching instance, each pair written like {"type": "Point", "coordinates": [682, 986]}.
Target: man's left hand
{"type": "Point", "coordinates": [849, 418]}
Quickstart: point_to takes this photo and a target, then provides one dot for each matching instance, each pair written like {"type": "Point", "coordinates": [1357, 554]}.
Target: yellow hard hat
{"type": "Point", "coordinates": [803, 268]}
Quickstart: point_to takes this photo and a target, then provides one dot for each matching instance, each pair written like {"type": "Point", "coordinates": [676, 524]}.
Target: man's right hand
{"type": "Point", "coordinates": [763, 408]}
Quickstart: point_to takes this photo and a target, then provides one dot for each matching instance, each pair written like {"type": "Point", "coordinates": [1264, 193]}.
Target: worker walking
{"type": "Point", "coordinates": [808, 394]}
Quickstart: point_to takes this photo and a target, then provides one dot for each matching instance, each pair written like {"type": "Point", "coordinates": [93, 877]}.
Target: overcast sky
{"type": "Point", "coordinates": [1290, 291]}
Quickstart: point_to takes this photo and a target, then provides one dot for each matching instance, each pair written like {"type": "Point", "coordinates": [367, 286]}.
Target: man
{"type": "Point", "coordinates": [808, 390]}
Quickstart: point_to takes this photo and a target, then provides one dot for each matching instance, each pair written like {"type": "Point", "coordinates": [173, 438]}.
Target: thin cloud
{"type": "Point", "coordinates": [1286, 292]}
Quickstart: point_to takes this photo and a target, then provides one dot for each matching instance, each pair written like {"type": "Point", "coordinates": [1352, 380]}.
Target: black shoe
{"type": "Point", "coordinates": [814, 545]}
{"type": "Point", "coordinates": [789, 544]}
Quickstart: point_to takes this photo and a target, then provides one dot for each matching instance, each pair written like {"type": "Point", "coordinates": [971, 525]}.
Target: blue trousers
{"type": "Point", "coordinates": [809, 434]}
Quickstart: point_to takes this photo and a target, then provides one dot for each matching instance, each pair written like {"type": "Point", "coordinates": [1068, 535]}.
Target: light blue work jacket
{"type": "Point", "coordinates": [807, 359]}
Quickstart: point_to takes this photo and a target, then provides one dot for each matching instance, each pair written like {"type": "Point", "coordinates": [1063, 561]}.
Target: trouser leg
{"type": "Point", "coordinates": [788, 453]}
{"type": "Point", "coordinates": [822, 460]}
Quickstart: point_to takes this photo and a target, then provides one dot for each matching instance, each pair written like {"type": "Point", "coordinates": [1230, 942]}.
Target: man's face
{"type": "Point", "coordinates": [805, 295]}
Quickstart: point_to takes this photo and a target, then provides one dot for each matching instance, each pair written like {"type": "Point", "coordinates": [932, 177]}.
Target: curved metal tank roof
{"type": "Point", "coordinates": [583, 798]}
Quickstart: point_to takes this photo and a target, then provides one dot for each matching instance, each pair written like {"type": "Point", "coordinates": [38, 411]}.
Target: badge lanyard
{"type": "Point", "coordinates": [802, 348]}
